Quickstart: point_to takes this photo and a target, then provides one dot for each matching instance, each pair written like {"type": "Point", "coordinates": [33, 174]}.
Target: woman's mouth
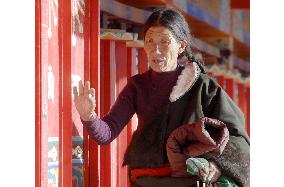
{"type": "Point", "coordinates": [158, 61]}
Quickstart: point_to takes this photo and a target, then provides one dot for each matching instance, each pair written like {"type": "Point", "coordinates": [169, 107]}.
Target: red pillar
{"type": "Point", "coordinates": [221, 81]}
{"type": "Point", "coordinates": [242, 100]}
{"type": "Point", "coordinates": [65, 99]}
{"type": "Point", "coordinates": [248, 108]}
{"type": "Point", "coordinates": [105, 151]}
{"type": "Point", "coordinates": [121, 81]}
{"type": "Point", "coordinates": [94, 179]}
{"type": "Point", "coordinates": [231, 88]}
{"type": "Point", "coordinates": [86, 77]}
{"type": "Point", "coordinates": [131, 69]}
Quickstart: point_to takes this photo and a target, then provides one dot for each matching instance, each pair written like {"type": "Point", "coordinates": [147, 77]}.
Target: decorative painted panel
{"type": "Point", "coordinates": [121, 10]}
{"type": "Point", "coordinates": [241, 64]}
{"type": "Point", "coordinates": [77, 162]}
{"type": "Point", "coordinates": [216, 13]}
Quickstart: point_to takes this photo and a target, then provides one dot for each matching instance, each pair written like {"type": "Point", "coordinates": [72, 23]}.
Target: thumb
{"type": "Point", "coordinates": [75, 92]}
{"type": "Point", "coordinates": [93, 92]}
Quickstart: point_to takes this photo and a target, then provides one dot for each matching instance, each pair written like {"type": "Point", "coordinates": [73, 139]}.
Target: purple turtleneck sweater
{"type": "Point", "coordinates": [144, 94]}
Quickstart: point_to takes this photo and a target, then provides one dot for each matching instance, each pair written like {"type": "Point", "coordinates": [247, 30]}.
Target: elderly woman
{"type": "Point", "coordinates": [164, 98]}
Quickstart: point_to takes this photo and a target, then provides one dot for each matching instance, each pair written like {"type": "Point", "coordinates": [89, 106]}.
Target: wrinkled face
{"type": "Point", "coordinates": [162, 49]}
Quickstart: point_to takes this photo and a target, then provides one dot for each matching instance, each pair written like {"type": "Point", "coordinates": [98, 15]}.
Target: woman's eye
{"type": "Point", "coordinates": [149, 40]}
{"type": "Point", "coordinates": [165, 42]}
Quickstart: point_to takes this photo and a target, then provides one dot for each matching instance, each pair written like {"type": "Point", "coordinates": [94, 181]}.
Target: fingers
{"type": "Point", "coordinates": [211, 174]}
{"type": "Point", "coordinates": [81, 88]}
{"type": "Point", "coordinates": [84, 90]}
{"type": "Point", "coordinates": [75, 92]}
{"type": "Point", "coordinates": [87, 88]}
{"type": "Point", "coordinates": [93, 92]}
{"type": "Point", "coordinates": [214, 172]}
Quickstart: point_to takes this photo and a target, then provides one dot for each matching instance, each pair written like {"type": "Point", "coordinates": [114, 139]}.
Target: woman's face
{"type": "Point", "coordinates": [162, 49]}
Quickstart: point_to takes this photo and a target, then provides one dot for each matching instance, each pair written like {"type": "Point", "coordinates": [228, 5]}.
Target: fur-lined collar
{"type": "Point", "coordinates": [185, 81]}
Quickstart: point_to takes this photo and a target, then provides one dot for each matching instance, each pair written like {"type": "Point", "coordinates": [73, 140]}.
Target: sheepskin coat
{"type": "Point", "coordinates": [194, 96]}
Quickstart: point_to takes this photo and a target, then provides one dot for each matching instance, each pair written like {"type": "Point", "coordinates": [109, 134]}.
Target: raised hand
{"type": "Point", "coordinates": [85, 102]}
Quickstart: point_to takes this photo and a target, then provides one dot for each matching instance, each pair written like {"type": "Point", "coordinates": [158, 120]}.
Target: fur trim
{"type": "Point", "coordinates": [185, 81]}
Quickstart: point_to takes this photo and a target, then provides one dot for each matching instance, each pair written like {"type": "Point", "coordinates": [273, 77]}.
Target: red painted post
{"type": "Point", "coordinates": [38, 93]}
{"type": "Point", "coordinates": [221, 81]}
{"type": "Point", "coordinates": [248, 108]}
{"type": "Point", "coordinates": [230, 88]}
{"type": "Point", "coordinates": [105, 159]}
{"type": "Point", "coordinates": [130, 54]}
{"type": "Point", "coordinates": [95, 83]}
{"type": "Point", "coordinates": [142, 61]}
{"type": "Point", "coordinates": [65, 120]}
{"type": "Point", "coordinates": [86, 77]}
{"type": "Point", "coordinates": [241, 97]}
{"type": "Point", "coordinates": [242, 100]}
{"type": "Point", "coordinates": [121, 81]}
{"type": "Point", "coordinates": [86, 143]}
{"type": "Point", "coordinates": [129, 74]}
{"type": "Point", "coordinates": [131, 70]}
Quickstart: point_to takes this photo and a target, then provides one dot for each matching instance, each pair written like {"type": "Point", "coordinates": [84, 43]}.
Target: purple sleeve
{"type": "Point", "coordinates": [98, 130]}
{"type": "Point", "coordinates": [104, 130]}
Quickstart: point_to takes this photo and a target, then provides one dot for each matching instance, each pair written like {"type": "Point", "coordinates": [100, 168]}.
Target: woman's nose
{"type": "Point", "coordinates": [157, 49]}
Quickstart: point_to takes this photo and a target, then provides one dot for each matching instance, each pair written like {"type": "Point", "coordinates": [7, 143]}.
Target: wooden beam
{"type": "Point", "coordinates": [240, 4]}
{"type": "Point", "coordinates": [143, 3]}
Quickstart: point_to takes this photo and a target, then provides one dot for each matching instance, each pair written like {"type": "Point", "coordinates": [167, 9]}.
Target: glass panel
{"type": "Point", "coordinates": [50, 93]}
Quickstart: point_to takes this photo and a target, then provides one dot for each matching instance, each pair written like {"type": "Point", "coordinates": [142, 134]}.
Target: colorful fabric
{"type": "Point", "coordinates": [224, 181]}
{"type": "Point", "coordinates": [200, 167]}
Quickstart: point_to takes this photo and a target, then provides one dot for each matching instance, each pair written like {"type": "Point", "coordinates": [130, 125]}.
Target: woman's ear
{"type": "Point", "coordinates": [182, 47]}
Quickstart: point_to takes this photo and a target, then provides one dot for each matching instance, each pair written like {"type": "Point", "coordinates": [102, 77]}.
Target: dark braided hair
{"type": "Point", "coordinates": [176, 23]}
